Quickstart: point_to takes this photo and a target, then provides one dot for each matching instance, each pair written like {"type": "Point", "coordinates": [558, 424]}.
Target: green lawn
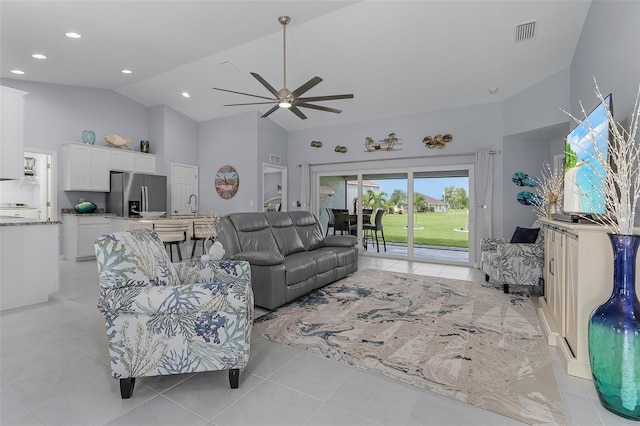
{"type": "Point", "coordinates": [437, 228]}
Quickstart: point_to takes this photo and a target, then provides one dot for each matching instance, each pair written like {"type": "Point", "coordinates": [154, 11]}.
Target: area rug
{"type": "Point", "coordinates": [461, 339]}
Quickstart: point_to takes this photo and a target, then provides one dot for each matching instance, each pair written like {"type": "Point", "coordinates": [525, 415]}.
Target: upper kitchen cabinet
{"type": "Point", "coordinates": [11, 133]}
{"type": "Point", "coordinates": [86, 168]}
{"type": "Point", "coordinates": [128, 161]}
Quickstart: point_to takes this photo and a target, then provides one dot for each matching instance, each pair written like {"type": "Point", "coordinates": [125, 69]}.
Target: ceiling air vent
{"type": "Point", "coordinates": [526, 31]}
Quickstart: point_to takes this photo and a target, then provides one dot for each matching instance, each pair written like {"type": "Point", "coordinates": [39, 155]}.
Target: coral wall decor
{"type": "Point", "coordinates": [437, 141]}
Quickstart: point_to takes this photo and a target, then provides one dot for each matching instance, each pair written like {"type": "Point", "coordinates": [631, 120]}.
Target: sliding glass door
{"type": "Point", "coordinates": [423, 213]}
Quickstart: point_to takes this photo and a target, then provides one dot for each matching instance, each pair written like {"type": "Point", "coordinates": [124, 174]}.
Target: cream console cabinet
{"type": "Point", "coordinates": [578, 276]}
{"type": "Point", "coordinates": [86, 168]}
{"type": "Point", "coordinates": [79, 234]}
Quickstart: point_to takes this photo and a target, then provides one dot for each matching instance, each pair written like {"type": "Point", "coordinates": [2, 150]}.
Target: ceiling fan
{"type": "Point", "coordinates": [285, 98]}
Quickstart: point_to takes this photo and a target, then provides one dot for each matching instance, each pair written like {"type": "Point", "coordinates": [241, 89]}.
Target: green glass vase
{"type": "Point", "coordinates": [614, 335]}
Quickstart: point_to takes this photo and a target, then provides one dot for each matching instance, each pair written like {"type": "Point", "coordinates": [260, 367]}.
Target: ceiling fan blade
{"type": "Point", "coordinates": [307, 86]}
{"type": "Point", "coordinates": [318, 107]}
{"type": "Point", "coordinates": [253, 103]}
{"type": "Point", "coordinates": [241, 93]}
{"type": "Point", "coordinates": [325, 98]}
{"type": "Point", "coordinates": [297, 112]}
{"type": "Point", "coordinates": [270, 111]}
{"type": "Point", "coordinates": [265, 84]}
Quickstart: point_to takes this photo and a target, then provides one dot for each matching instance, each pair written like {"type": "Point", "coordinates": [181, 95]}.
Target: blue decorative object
{"type": "Point", "coordinates": [614, 335]}
{"type": "Point", "coordinates": [523, 179]}
{"type": "Point", "coordinates": [88, 137]}
{"type": "Point", "coordinates": [85, 207]}
{"type": "Point", "coordinates": [528, 198]}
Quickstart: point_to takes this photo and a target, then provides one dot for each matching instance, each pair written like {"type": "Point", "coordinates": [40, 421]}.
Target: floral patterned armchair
{"type": "Point", "coordinates": [512, 263]}
{"type": "Point", "coordinates": [164, 318]}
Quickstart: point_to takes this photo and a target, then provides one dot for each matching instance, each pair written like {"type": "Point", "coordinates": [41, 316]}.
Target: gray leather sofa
{"type": "Point", "coordinates": [288, 253]}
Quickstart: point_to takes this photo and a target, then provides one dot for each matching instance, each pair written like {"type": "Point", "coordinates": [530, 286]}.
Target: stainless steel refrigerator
{"type": "Point", "coordinates": [135, 192]}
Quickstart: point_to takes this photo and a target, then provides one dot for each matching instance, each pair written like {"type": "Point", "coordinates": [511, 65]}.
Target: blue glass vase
{"type": "Point", "coordinates": [614, 335]}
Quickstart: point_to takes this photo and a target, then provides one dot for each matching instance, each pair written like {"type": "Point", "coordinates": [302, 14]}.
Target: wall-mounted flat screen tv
{"type": "Point", "coordinates": [584, 171]}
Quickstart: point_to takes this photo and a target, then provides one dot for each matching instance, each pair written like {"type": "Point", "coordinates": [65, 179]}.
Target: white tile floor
{"type": "Point", "coordinates": [54, 370]}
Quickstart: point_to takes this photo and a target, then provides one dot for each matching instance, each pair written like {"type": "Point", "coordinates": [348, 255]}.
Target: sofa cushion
{"type": "Point", "coordinates": [309, 229]}
{"type": "Point", "coordinates": [525, 235]}
{"type": "Point", "coordinates": [253, 232]}
{"type": "Point", "coordinates": [299, 267]}
{"type": "Point", "coordinates": [285, 233]}
{"type": "Point", "coordinates": [344, 255]}
{"type": "Point", "coordinates": [325, 260]}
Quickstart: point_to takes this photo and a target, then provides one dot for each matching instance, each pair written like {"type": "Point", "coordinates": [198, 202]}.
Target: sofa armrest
{"type": "Point", "coordinates": [190, 298]}
{"type": "Point", "coordinates": [260, 257]}
{"type": "Point", "coordinates": [214, 271]}
{"type": "Point", "coordinates": [340, 241]}
{"type": "Point", "coordinates": [531, 250]}
{"type": "Point", "coordinates": [491, 244]}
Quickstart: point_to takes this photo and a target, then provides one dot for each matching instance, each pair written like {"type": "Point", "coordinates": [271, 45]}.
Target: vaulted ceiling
{"type": "Point", "coordinates": [396, 57]}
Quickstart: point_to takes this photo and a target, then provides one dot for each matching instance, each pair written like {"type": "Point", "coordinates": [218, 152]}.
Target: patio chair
{"type": "Point", "coordinates": [371, 230]}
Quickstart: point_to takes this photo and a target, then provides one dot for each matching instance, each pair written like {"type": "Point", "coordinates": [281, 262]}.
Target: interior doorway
{"type": "Point", "coordinates": [184, 186]}
{"type": "Point", "coordinates": [36, 191]}
{"type": "Point", "coordinates": [274, 187]}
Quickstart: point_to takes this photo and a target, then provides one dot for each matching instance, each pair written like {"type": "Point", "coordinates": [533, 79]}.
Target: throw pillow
{"type": "Point", "coordinates": [525, 235]}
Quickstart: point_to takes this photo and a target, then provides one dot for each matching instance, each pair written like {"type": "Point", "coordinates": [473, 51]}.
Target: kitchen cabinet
{"type": "Point", "coordinates": [80, 232]}
{"type": "Point", "coordinates": [578, 277]}
{"type": "Point", "coordinates": [29, 263]}
{"type": "Point", "coordinates": [11, 133]}
{"type": "Point", "coordinates": [27, 213]}
{"type": "Point", "coordinates": [145, 163]}
{"type": "Point", "coordinates": [86, 168]}
{"type": "Point", "coordinates": [127, 161]}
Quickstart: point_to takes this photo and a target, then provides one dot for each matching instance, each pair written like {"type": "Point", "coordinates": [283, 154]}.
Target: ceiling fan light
{"type": "Point", "coordinates": [284, 104]}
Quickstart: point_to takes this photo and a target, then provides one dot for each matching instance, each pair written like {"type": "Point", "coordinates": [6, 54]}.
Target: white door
{"type": "Point", "coordinates": [184, 185]}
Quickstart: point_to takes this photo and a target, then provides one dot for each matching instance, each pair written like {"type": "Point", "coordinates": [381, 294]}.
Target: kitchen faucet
{"type": "Point", "coordinates": [193, 210]}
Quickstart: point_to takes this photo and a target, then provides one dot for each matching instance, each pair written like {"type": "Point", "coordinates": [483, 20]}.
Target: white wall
{"type": "Point", "coordinates": [229, 141]}
{"type": "Point", "coordinates": [57, 113]}
{"type": "Point", "coordinates": [473, 127]}
{"type": "Point", "coordinates": [609, 49]}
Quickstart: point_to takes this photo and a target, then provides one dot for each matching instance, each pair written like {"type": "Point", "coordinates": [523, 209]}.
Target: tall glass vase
{"type": "Point", "coordinates": [614, 335]}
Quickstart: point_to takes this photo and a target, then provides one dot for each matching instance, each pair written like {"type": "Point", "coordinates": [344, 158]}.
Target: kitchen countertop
{"type": "Point", "coordinates": [20, 221]}
{"type": "Point", "coordinates": [171, 217]}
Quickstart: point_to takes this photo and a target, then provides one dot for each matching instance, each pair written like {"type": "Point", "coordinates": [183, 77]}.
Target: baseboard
{"type": "Point", "coordinates": [547, 324]}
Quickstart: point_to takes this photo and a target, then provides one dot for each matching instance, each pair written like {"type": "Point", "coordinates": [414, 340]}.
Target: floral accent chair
{"type": "Point", "coordinates": [513, 263]}
{"type": "Point", "coordinates": [171, 318]}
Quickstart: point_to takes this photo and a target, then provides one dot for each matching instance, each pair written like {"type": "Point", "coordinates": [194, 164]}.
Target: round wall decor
{"type": "Point", "coordinates": [226, 182]}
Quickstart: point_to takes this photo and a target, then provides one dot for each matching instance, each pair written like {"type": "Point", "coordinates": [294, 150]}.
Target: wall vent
{"type": "Point", "coordinates": [526, 31]}
{"type": "Point", "coordinates": [275, 159]}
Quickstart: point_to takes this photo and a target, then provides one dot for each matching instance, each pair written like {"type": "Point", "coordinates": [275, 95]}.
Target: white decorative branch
{"type": "Point", "coordinates": [550, 190]}
{"type": "Point", "coordinates": [619, 181]}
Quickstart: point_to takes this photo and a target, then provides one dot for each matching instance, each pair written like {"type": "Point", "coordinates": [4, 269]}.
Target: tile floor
{"type": "Point", "coordinates": [54, 371]}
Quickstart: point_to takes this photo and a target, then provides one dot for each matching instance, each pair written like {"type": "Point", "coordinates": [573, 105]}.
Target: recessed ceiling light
{"type": "Point", "coordinates": [71, 34]}
{"type": "Point", "coordinates": [186, 94]}
{"type": "Point", "coordinates": [126, 71]}
{"type": "Point", "coordinates": [39, 56]}
{"type": "Point", "coordinates": [19, 72]}
{"type": "Point", "coordinates": [493, 90]}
